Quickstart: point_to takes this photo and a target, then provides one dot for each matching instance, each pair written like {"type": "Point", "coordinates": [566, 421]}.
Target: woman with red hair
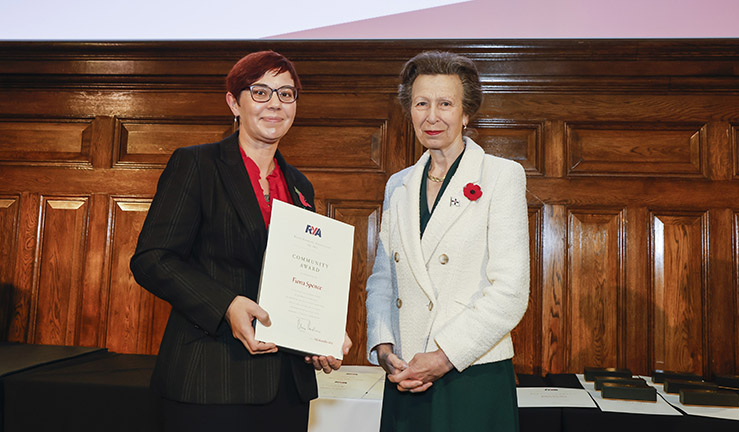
{"type": "Point", "coordinates": [201, 250]}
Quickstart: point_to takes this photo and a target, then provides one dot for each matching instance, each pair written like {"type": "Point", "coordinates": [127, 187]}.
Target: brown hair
{"type": "Point", "coordinates": [442, 63]}
{"type": "Point", "coordinates": [252, 66]}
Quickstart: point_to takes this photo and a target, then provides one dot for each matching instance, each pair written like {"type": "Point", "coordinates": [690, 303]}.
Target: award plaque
{"type": "Point", "coordinates": [600, 380]}
{"type": "Point", "coordinates": [305, 281]}
{"type": "Point", "coordinates": [674, 386]}
{"type": "Point", "coordinates": [629, 392]}
{"type": "Point", "coordinates": [709, 397]}
{"type": "Point", "coordinates": [728, 381]}
{"type": "Point", "coordinates": [659, 376]}
{"type": "Point", "coordinates": [591, 373]}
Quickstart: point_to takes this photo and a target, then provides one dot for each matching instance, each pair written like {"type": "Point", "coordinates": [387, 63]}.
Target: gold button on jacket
{"type": "Point", "coordinates": [443, 259]}
{"type": "Point", "coordinates": [399, 302]}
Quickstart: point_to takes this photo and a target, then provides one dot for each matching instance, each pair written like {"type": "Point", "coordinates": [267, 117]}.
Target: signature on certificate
{"type": "Point", "coordinates": [305, 325]}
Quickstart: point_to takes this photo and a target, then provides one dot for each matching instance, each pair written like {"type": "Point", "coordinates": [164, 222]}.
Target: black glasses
{"type": "Point", "coordinates": [262, 93]}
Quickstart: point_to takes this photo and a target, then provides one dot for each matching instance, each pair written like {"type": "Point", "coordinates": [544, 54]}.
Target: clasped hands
{"type": "Point", "coordinates": [419, 374]}
{"type": "Point", "coordinates": [241, 314]}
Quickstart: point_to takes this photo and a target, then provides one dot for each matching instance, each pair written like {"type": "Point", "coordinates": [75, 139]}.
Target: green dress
{"type": "Point", "coordinates": [480, 398]}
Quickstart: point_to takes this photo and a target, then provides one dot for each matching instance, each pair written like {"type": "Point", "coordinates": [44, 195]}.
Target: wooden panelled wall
{"type": "Point", "coordinates": [631, 150]}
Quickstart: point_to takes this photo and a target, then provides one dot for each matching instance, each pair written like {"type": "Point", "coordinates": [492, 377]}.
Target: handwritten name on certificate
{"type": "Point", "coordinates": [305, 281]}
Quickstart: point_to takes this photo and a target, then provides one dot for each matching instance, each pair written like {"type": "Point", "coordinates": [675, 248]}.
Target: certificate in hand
{"type": "Point", "coordinates": [305, 281]}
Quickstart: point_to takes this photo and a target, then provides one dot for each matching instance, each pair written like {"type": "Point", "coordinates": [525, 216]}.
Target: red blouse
{"type": "Point", "coordinates": [277, 186]}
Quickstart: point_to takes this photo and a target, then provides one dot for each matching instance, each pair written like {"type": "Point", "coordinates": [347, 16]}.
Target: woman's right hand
{"type": "Point", "coordinates": [388, 360]}
{"type": "Point", "coordinates": [240, 315]}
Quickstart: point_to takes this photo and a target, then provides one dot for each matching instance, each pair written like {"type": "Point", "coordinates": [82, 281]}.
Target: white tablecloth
{"type": "Point", "coordinates": [349, 399]}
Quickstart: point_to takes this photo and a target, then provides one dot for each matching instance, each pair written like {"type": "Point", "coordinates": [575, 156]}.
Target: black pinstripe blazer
{"type": "Point", "coordinates": [201, 245]}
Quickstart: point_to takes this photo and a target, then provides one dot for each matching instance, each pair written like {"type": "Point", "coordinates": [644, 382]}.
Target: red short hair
{"type": "Point", "coordinates": [252, 66]}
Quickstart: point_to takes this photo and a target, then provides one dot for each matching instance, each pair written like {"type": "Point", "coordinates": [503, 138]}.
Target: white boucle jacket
{"type": "Point", "coordinates": [465, 285]}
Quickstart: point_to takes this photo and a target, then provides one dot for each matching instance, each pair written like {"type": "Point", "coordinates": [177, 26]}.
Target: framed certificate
{"type": "Point", "coordinates": [305, 281]}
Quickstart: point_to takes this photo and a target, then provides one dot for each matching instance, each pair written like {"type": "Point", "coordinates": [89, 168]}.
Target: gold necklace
{"type": "Point", "coordinates": [435, 179]}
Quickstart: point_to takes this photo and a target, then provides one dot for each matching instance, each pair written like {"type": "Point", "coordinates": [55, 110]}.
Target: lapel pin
{"type": "Point", "coordinates": [302, 198]}
{"type": "Point", "coordinates": [453, 202]}
{"type": "Point", "coordinates": [472, 192]}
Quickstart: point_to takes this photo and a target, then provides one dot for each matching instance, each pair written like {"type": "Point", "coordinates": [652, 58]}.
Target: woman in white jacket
{"type": "Point", "coordinates": [451, 274]}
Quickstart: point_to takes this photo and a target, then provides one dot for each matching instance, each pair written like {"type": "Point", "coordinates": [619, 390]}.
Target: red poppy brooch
{"type": "Point", "coordinates": [472, 192]}
{"type": "Point", "coordinates": [302, 199]}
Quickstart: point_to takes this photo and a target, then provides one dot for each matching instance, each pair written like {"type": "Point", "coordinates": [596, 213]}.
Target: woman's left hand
{"type": "Point", "coordinates": [329, 363]}
{"type": "Point", "coordinates": [422, 371]}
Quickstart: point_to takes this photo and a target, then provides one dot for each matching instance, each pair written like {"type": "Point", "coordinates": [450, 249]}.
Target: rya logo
{"type": "Point", "coordinates": [313, 230]}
